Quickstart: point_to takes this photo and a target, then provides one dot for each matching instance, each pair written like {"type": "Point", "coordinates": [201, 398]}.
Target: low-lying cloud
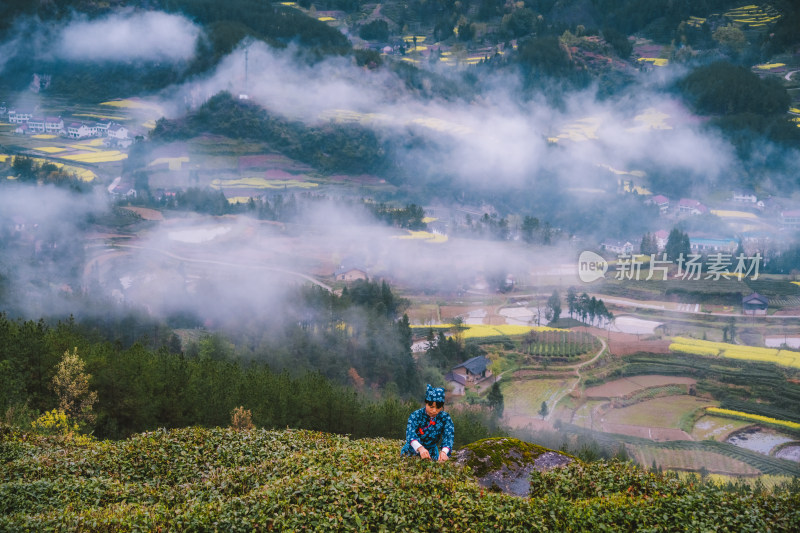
{"type": "Point", "coordinates": [124, 36]}
{"type": "Point", "coordinates": [499, 139]}
{"type": "Point", "coordinates": [128, 35]}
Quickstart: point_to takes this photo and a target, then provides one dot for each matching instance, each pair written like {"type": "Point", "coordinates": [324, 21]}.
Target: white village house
{"type": "Point", "coordinates": [54, 126]}
{"type": "Point", "coordinates": [78, 130]}
{"type": "Point", "coordinates": [19, 116]}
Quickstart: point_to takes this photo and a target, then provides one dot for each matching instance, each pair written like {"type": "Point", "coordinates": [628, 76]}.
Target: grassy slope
{"type": "Point", "coordinates": [287, 480]}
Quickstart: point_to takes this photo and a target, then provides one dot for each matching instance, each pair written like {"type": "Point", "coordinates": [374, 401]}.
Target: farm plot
{"type": "Point", "coordinates": [787, 358]}
{"type": "Point", "coordinates": [636, 326]}
{"type": "Point", "coordinates": [691, 460]}
{"type": "Point", "coordinates": [665, 412]}
{"type": "Point", "coordinates": [517, 315]}
{"type": "Point", "coordinates": [623, 387]}
{"type": "Point", "coordinates": [586, 415]}
{"type": "Point", "coordinates": [716, 427]}
{"type": "Point", "coordinates": [523, 399]}
{"type": "Point", "coordinates": [757, 439]}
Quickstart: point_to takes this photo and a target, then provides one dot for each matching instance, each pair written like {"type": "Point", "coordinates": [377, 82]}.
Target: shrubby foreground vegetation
{"type": "Point", "coordinates": [229, 480]}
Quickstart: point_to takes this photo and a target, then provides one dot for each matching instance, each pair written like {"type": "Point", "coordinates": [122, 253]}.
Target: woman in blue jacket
{"type": "Point", "coordinates": [430, 427]}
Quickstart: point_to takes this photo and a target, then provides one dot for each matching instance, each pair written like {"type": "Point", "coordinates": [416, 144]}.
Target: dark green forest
{"type": "Point", "coordinates": [341, 365]}
{"type": "Point", "coordinates": [330, 147]}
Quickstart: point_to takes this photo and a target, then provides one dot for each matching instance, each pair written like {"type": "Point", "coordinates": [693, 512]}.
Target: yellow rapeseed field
{"type": "Point", "coordinates": [657, 61]}
{"type": "Point", "coordinates": [174, 163]}
{"type": "Point", "coordinates": [768, 66]}
{"type": "Point", "coordinates": [582, 130]}
{"type": "Point", "coordinates": [134, 104]}
{"type": "Point", "coordinates": [690, 349]}
{"type": "Point", "coordinates": [238, 199]}
{"type": "Point", "coordinates": [753, 15]}
{"type": "Point", "coordinates": [654, 119]}
{"type": "Point", "coordinates": [108, 156]}
{"type": "Point", "coordinates": [472, 331]}
{"type": "Point", "coordinates": [732, 214]}
{"type": "Point", "coordinates": [103, 117]}
{"type": "Point", "coordinates": [261, 183]}
{"type": "Point", "coordinates": [423, 235]}
{"type": "Point", "coordinates": [50, 149]}
{"type": "Point", "coordinates": [44, 136]}
{"type": "Point", "coordinates": [755, 418]}
{"type": "Point", "coordinates": [787, 358]}
{"type": "Point", "coordinates": [91, 142]}
{"type": "Point", "coordinates": [83, 174]}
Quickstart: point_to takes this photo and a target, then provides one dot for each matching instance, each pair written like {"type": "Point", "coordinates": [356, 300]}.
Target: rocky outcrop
{"type": "Point", "coordinates": [505, 464]}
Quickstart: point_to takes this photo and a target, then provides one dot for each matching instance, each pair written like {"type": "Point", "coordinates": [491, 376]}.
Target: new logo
{"type": "Point", "coordinates": [591, 267]}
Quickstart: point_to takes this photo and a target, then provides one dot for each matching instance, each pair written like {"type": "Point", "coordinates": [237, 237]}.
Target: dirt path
{"type": "Point", "coordinates": [577, 368]}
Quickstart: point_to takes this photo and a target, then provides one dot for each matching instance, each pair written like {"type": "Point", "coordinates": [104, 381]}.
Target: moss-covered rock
{"type": "Point", "coordinates": [505, 464]}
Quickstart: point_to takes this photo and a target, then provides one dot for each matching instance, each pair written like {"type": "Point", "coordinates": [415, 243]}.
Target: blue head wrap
{"type": "Point", "coordinates": [434, 394]}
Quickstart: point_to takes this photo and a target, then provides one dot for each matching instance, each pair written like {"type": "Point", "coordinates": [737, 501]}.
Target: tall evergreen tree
{"type": "Point", "coordinates": [495, 399]}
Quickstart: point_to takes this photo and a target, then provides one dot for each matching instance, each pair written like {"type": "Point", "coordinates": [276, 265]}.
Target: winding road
{"type": "Point", "coordinates": [214, 262]}
{"type": "Point", "coordinates": [577, 369]}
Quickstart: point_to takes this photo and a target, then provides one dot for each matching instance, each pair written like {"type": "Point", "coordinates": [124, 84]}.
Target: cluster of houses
{"type": "Point", "coordinates": [30, 124]}
{"type": "Point", "coordinates": [747, 201]}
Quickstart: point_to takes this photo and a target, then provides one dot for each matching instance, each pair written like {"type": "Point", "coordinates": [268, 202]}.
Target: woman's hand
{"type": "Point", "coordinates": [443, 456]}
{"type": "Point", "coordinates": [423, 452]}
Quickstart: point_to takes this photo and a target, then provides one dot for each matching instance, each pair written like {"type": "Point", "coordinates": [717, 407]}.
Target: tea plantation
{"type": "Point", "coordinates": [198, 479]}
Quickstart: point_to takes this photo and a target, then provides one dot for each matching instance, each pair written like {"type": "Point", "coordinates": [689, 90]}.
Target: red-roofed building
{"type": "Point", "coordinates": [661, 201]}
{"type": "Point", "coordinates": [692, 207]}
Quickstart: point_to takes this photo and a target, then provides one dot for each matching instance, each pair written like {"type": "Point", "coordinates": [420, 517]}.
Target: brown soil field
{"type": "Point", "coordinates": [623, 387]}
{"type": "Point", "coordinates": [145, 213]}
{"type": "Point", "coordinates": [524, 421]}
{"type": "Point", "coordinates": [450, 311]}
{"type": "Point", "coordinates": [657, 412]}
{"type": "Point", "coordinates": [628, 343]}
{"type": "Point", "coordinates": [652, 433]}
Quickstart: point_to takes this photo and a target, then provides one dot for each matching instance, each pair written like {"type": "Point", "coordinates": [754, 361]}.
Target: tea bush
{"type": "Point", "coordinates": [228, 480]}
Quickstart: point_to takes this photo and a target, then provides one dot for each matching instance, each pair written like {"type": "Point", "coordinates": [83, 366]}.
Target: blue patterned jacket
{"type": "Point", "coordinates": [430, 432]}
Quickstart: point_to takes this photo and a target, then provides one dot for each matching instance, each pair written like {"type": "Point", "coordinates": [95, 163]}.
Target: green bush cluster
{"type": "Point", "coordinates": [226, 480]}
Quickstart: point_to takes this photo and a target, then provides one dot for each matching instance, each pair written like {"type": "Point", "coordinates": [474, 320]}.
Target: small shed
{"type": "Point", "coordinates": [350, 274]}
{"type": "Point", "coordinates": [754, 305]}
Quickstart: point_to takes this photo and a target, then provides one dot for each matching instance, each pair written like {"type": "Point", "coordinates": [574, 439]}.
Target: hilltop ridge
{"type": "Point", "coordinates": [227, 480]}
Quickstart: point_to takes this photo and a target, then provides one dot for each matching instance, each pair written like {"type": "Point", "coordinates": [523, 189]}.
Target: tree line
{"type": "Point", "coordinates": [296, 380]}
{"type": "Point", "coordinates": [585, 307]}
{"type": "Point", "coordinates": [330, 147]}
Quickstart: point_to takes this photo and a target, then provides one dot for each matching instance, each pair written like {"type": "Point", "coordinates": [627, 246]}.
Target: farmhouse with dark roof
{"type": "Point", "coordinates": [470, 372]}
{"type": "Point", "coordinates": [754, 304]}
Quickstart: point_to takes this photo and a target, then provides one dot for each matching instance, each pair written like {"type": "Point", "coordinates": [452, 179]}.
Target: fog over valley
{"type": "Point", "coordinates": [579, 218]}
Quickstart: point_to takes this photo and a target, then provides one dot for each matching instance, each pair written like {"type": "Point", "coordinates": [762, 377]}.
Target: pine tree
{"type": "Point", "coordinates": [495, 399]}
